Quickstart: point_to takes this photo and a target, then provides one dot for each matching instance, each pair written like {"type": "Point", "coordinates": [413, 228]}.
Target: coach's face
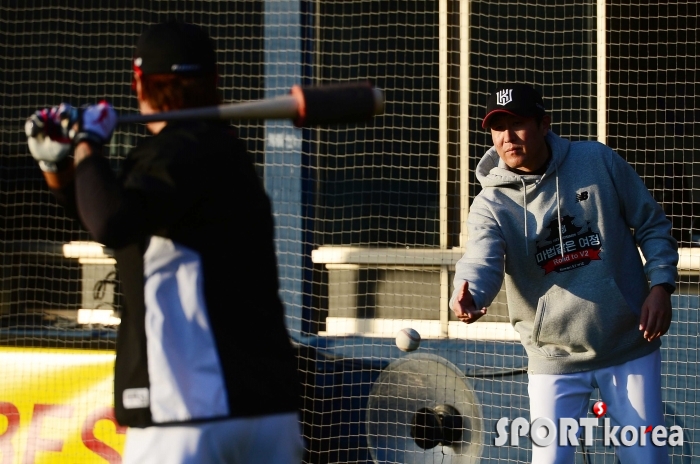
{"type": "Point", "coordinates": [520, 142]}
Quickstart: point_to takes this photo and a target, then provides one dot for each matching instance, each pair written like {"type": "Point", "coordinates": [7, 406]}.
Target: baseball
{"type": "Point", "coordinates": [407, 339]}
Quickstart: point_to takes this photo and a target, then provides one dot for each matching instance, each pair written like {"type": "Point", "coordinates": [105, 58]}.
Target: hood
{"type": "Point", "coordinates": [492, 172]}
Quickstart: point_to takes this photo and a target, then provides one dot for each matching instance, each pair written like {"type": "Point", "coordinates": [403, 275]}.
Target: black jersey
{"type": "Point", "coordinates": [202, 335]}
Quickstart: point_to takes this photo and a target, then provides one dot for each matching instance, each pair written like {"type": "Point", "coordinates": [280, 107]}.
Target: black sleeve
{"type": "Point", "coordinates": [111, 216]}
{"type": "Point", "coordinates": [151, 196]}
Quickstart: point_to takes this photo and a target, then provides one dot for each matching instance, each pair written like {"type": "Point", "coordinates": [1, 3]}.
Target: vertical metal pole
{"type": "Point", "coordinates": [464, 86]}
{"type": "Point", "coordinates": [443, 57]}
{"type": "Point", "coordinates": [443, 69]}
{"type": "Point", "coordinates": [601, 52]}
{"type": "Point", "coordinates": [283, 160]}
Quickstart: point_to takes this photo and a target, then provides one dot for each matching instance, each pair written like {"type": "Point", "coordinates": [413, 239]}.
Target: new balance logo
{"type": "Point", "coordinates": [581, 196]}
{"type": "Point", "coordinates": [503, 97]}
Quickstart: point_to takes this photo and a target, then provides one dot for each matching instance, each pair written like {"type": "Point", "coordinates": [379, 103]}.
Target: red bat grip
{"type": "Point", "coordinates": [336, 104]}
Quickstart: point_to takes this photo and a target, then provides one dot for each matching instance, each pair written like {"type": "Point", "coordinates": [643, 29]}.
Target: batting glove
{"type": "Point", "coordinates": [48, 136]}
{"type": "Point", "coordinates": [95, 124]}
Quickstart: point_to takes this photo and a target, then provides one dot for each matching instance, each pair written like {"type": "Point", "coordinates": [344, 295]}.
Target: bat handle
{"type": "Point", "coordinates": [305, 106]}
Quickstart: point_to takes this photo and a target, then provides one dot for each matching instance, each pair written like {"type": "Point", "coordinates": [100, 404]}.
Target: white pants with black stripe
{"type": "Point", "coordinates": [631, 392]}
{"type": "Point", "coordinates": [270, 439]}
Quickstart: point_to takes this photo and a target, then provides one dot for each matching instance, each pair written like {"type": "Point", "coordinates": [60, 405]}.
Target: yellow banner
{"type": "Point", "coordinates": [56, 407]}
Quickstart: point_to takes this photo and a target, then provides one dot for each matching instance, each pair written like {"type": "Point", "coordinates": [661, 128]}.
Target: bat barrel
{"type": "Point", "coordinates": [338, 104]}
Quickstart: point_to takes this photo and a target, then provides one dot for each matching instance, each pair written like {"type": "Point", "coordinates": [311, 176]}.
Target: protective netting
{"type": "Point", "coordinates": [369, 216]}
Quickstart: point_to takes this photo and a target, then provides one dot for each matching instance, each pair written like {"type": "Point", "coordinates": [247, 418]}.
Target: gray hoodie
{"type": "Point", "coordinates": [577, 306]}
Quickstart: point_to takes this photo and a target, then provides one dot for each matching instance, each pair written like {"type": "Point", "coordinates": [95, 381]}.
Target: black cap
{"type": "Point", "coordinates": [516, 99]}
{"type": "Point", "coordinates": [175, 48]}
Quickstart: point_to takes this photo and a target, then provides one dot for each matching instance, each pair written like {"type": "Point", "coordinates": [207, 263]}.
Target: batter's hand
{"type": "Point", "coordinates": [95, 124]}
{"type": "Point", "coordinates": [48, 137]}
{"type": "Point", "coordinates": [464, 307]}
{"type": "Point", "coordinates": [656, 313]}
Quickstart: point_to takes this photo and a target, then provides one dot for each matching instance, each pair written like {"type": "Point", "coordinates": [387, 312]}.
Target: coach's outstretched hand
{"type": "Point", "coordinates": [464, 307]}
{"type": "Point", "coordinates": [48, 136]}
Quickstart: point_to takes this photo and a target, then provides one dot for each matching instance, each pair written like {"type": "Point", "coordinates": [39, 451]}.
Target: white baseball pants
{"type": "Point", "coordinates": [270, 439]}
{"type": "Point", "coordinates": [631, 391]}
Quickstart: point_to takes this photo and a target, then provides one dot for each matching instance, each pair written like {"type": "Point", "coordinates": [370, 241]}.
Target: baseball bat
{"type": "Point", "coordinates": [305, 106]}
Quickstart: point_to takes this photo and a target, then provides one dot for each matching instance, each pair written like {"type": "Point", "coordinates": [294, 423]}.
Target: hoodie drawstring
{"type": "Point", "coordinates": [527, 251]}
{"type": "Point", "coordinates": [561, 236]}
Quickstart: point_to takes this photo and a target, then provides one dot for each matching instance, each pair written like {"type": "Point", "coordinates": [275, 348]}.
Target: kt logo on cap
{"type": "Point", "coordinates": [505, 96]}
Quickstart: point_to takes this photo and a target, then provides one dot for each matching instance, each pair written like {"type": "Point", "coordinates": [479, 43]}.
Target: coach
{"type": "Point", "coordinates": [562, 222]}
